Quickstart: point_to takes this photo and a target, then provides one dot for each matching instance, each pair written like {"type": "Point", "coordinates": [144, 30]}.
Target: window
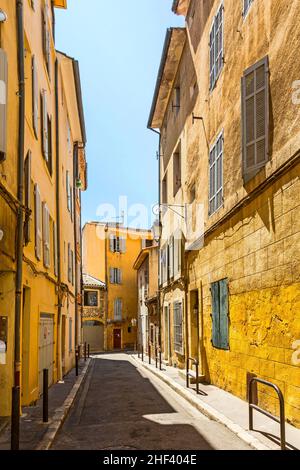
{"type": "Point", "coordinates": [46, 40]}
{"type": "Point", "coordinates": [176, 172]}
{"type": "Point", "coordinates": [70, 334]}
{"type": "Point", "coordinates": [91, 298]}
{"type": "Point", "coordinates": [220, 322]}
{"type": "Point", "coordinates": [246, 6]}
{"type": "Point", "coordinates": [117, 244]}
{"type": "Point", "coordinates": [55, 258]}
{"type": "Point", "coordinates": [255, 118]}
{"type": "Point", "coordinates": [69, 263]}
{"type": "Point", "coordinates": [216, 175]}
{"type": "Point", "coordinates": [38, 222]}
{"type": "Point", "coordinates": [46, 235]}
{"type": "Point", "coordinates": [176, 102]}
{"type": "Point", "coordinates": [178, 327]}
{"type": "Point", "coordinates": [69, 192]}
{"type": "Point", "coordinates": [115, 276]}
{"type": "Point", "coordinates": [35, 98]}
{"type": "Point", "coordinates": [164, 264]}
{"type": "Point", "coordinates": [216, 47]}
{"type": "Point", "coordinates": [118, 309]}
{"type": "Point", "coordinates": [171, 258]}
{"type": "Point", "coordinates": [27, 185]}
{"type": "Point", "coordinates": [178, 242]}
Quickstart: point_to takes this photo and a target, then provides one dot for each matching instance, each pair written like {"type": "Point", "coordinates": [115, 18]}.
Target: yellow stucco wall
{"type": "Point", "coordinates": [256, 248]}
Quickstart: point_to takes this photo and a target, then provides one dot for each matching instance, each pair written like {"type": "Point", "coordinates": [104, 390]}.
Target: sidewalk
{"type": "Point", "coordinates": [228, 409]}
{"type": "Point", "coordinates": [33, 432]}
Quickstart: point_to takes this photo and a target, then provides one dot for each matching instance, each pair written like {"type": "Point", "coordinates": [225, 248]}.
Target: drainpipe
{"type": "Point", "coordinates": [15, 412]}
{"type": "Point", "coordinates": [75, 175]}
{"type": "Point", "coordinates": [59, 304]}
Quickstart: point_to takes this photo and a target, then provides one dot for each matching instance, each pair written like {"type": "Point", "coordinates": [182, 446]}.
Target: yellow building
{"type": "Point", "coordinates": [146, 266]}
{"type": "Point", "coordinates": [54, 136]}
{"type": "Point", "coordinates": [109, 252]}
{"type": "Point", "coordinates": [230, 158]}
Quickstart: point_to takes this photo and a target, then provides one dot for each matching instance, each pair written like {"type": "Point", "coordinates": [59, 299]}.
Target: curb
{"type": "Point", "coordinates": [62, 412]}
{"type": "Point", "coordinates": [205, 409]}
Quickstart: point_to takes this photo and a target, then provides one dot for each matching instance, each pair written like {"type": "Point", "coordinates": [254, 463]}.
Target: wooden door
{"type": "Point", "coordinates": [117, 338]}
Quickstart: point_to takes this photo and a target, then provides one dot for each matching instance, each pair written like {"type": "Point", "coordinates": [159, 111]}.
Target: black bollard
{"type": "Point", "coordinates": [85, 351]}
{"type": "Point", "coordinates": [149, 353]}
{"type": "Point", "coordinates": [77, 361]}
{"type": "Point", "coordinates": [45, 396]}
{"type": "Point", "coordinates": [88, 350]}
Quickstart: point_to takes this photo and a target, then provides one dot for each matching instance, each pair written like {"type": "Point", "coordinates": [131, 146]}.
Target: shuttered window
{"type": "Point", "coordinates": [55, 258]}
{"type": "Point", "coordinates": [164, 263]}
{"type": "Point", "coordinates": [117, 244]}
{"type": "Point", "coordinates": [246, 6]}
{"type": "Point", "coordinates": [46, 40]}
{"type": "Point", "coordinates": [38, 222]}
{"type": "Point", "coordinates": [69, 263]}
{"type": "Point", "coordinates": [68, 190]}
{"type": "Point", "coordinates": [178, 327]}
{"type": "Point", "coordinates": [118, 305]}
{"type": "Point", "coordinates": [255, 118]}
{"type": "Point", "coordinates": [44, 125]}
{"type": "Point", "coordinates": [220, 312]}
{"type": "Point", "coordinates": [178, 243]}
{"type": "Point", "coordinates": [46, 235]}
{"type": "Point", "coordinates": [115, 276]}
{"type": "Point", "coordinates": [216, 175]}
{"type": "Point", "coordinates": [3, 103]}
{"type": "Point", "coordinates": [27, 186]}
{"type": "Point", "coordinates": [176, 172]}
{"type": "Point", "coordinates": [171, 258]}
{"type": "Point", "coordinates": [35, 98]}
{"type": "Point", "coordinates": [216, 47]}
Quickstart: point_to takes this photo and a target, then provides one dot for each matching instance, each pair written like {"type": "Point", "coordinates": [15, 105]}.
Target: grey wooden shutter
{"type": "Point", "coordinates": [111, 275]}
{"type": "Point", "coordinates": [38, 222]}
{"type": "Point", "coordinates": [3, 104]}
{"type": "Point", "coordinates": [27, 174]}
{"type": "Point", "coordinates": [224, 322]}
{"type": "Point", "coordinates": [35, 98]}
{"type": "Point", "coordinates": [44, 125]}
{"type": "Point", "coordinates": [46, 235]}
{"type": "Point", "coordinates": [255, 118]}
{"type": "Point", "coordinates": [68, 190]}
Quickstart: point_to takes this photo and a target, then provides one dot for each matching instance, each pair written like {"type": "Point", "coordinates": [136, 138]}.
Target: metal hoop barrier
{"type": "Point", "coordinates": [195, 362]}
{"type": "Point", "coordinates": [252, 407]}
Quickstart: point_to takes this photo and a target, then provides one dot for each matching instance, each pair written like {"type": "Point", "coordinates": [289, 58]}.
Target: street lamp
{"type": "Point", "coordinates": [3, 16]}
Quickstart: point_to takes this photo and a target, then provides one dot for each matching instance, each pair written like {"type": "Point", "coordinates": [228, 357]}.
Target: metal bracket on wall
{"type": "Point", "coordinates": [196, 118]}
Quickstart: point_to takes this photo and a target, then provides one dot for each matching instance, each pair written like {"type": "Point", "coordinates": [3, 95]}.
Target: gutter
{"type": "Point", "coordinates": [15, 413]}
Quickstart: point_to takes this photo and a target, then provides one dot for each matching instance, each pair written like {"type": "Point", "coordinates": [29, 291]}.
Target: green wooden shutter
{"type": "Point", "coordinates": [215, 314]}
{"type": "Point", "coordinates": [224, 326]}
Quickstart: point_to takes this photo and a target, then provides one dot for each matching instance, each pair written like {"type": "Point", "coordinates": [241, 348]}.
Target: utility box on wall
{"type": "Point", "coordinates": [3, 339]}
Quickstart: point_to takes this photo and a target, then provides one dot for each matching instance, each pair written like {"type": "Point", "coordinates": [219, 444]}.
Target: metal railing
{"type": "Point", "coordinates": [189, 375]}
{"type": "Point", "coordinates": [141, 352]}
{"type": "Point", "coordinates": [252, 407]}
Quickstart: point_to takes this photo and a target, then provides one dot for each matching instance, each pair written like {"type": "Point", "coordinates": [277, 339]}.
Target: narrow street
{"type": "Point", "coordinates": [124, 407]}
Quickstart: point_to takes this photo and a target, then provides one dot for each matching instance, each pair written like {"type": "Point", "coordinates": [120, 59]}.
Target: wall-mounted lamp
{"type": "Point", "coordinates": [1, 235]}
{"type": "Point", "coordinates": [3, 16]}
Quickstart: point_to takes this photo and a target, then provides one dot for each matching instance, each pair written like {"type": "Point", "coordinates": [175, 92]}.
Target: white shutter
{"type": "Point", "coordinates": [68, 190]}
{"type": "Point", "coordinates": [119, 276]}
{"type": "Point", "coordinates": [55, 249]}
{"type": "Point", "coordinates": [46, 235]}
{"type": "Point", "coordinates": [45, 126]}
{"type": "Point", "coordinates": [123, 244]}
{"type": "Point", "coordinates": [120, 308]}
{"type": "Point", "coordinates": [111, 275]}
{"type": "Point", "coordinates": [3, 104]}
{"type": "Point", "coordinates": [38, 222]}
{"type": "Point", "coordinates": [171, 257]}
{"type": "Point", "coordinates": [27, 171]}
{"type": "Point", "coordinates": [35, 98]}
{"type": "Point", "coordinates": [112, 243]}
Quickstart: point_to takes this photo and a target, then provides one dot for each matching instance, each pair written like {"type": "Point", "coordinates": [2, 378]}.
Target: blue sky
{"type": "Point", "coordinates": [118, 45]}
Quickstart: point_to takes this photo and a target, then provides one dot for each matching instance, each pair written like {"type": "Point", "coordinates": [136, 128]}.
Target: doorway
{"type": "Point", "coordinates": [167, 336]}
{"type": "Point", "coordinates": [46, 348]}
{"type": "Point", "coordinates": [117, 338]}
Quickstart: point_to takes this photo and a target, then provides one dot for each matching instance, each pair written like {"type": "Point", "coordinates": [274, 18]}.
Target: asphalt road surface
{"type": "Point", "coordinates": [123, 406]}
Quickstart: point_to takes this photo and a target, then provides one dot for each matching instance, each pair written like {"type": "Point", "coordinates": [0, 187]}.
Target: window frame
{"type": "Point", "coordinates": [212, 197]}
{"type": "Point", "coordinates": [86, 298]}
{"type": "Point", "coordinates": [212, 50]}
